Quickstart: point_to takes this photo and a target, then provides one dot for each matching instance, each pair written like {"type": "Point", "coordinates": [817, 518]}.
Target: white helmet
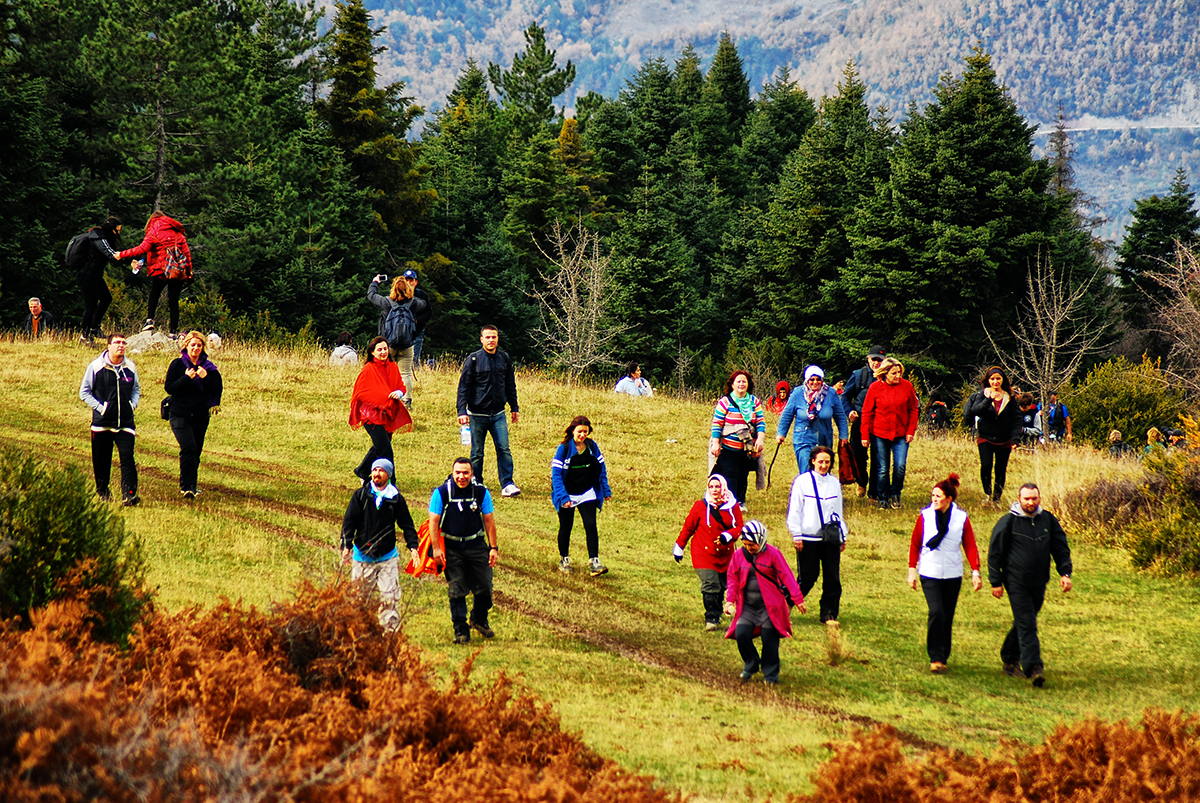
{"type": "Point", "coordinates": [755, 532]}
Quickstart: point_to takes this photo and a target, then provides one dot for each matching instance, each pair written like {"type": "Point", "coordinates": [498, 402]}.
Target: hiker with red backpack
{"type": "Point", "coordinates": [168, 261]}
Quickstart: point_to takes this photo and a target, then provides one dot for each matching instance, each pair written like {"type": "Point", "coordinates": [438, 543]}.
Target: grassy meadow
{"type": "Point", "coordinates": [624, 658]}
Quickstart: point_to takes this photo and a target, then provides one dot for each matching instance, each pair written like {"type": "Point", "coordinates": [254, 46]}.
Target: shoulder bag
{"type": "Point", "coordinates": [831, 531]}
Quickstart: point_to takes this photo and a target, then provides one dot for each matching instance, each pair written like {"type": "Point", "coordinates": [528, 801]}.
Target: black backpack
{"type": "Point", "coordinates": [77, 252]}
{"type": "Point", "coordinates": [399, 327]}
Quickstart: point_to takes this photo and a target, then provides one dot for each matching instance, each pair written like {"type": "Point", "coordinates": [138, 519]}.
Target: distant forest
{"type": "Point", "coordinates": [779, 230]}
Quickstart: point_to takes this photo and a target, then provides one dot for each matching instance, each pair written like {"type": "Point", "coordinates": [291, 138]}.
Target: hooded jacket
{"type": "Point", "coordinates": [113, 393]}
{"type": "Point", "coordinates": [161, 234]}
{"type": "Point", "coordinates": [1022, 545]}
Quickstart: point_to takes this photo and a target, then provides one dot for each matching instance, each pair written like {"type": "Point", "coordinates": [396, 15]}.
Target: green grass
{"type": "Point", "coordinates": [624, 658]}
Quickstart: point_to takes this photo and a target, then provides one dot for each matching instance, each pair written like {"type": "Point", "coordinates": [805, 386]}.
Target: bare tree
{"type": "Point", "coordinates": [1054, 331]}
{"type": "Point", "coordinates": [577, 329]}
{"type": "Point", "coordinates": [1178, 318]}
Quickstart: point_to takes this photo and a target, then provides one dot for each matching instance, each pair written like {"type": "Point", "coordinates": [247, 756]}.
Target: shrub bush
{"type": "Point", "coordinates": [1120, 395]}
{"type": "Point", "coordinates": [52, 525]}
{"type": "Point", "coordinates": [261, 330]}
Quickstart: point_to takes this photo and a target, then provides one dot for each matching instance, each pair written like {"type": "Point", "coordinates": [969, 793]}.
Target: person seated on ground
{"type": "Point", "coordinates": [214, 341]}
{"type": "Point", "coordinates": [1031, 420]}
{"type": "Point", "coordinates": [1118, 448]}
{"type": "Point", "coordinates": [776, 403]}
{"type": "Point", "coordinates": [343, 352]}
{"type": "Point", "coordinates": [1176, 439]}
{"type": "Point", "coordinates": [1153, 443]}
{"type": "Point", "coordinates": [632, 383]}
{"type": "Point", "coordinates": [938, 414]}
{"type": "Point", "coordinates": [38, 321]}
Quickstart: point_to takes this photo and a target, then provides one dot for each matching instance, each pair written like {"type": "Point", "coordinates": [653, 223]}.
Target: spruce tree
{"type": "Point", "coordinates": [727, 79]}
{"type": "Point", "coordinates": [781, 117]}
{"type": "Point", "coordinates": [944, 248]}
{"type": "Point", "coordinates": [654, 112]}
{"type": "Point", "coordinates": [370, 124]}
{"type": "Point", "coordinates": [527, 90]}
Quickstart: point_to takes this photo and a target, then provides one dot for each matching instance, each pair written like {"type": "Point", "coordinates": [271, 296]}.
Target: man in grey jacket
{"type": "Point", "coordinates": [1023, 541]}
{"type": "Point", "coordinates": [111, 388]}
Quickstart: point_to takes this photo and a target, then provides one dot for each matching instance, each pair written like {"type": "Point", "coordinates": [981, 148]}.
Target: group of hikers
{"type": "Point", "coordinates": [876, 412]}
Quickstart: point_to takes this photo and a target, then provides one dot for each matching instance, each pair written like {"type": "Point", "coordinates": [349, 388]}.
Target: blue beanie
{"type": "Point", "coordinates": [386, 465]}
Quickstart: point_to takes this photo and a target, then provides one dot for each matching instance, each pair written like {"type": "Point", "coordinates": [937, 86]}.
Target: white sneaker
{"type": "Point", "coordinates": [510, 490]}
{"type": "Point", "coordinates": [564, 565]}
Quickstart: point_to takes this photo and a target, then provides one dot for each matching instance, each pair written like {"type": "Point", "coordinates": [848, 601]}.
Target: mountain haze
{"type": "Point", "coordinates": [1123, 72]}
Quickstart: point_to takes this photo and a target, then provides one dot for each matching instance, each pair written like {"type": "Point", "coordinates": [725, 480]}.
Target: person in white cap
{"type": "Point", "coordinates": [810, 411]}
{"type": "Point", "coordinates": [369, 538]}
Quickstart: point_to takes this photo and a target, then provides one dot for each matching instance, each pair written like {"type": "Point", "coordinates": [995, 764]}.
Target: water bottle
{"type": "Point", "coordinates": [464, 434]}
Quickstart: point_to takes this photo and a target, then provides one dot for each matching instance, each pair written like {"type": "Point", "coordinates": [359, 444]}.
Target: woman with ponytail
{"type": "Point", "coordinates": [942, 532]}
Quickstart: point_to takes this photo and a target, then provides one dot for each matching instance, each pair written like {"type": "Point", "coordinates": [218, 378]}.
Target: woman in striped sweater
{"type": "Point", "coordinates": [738, 430]}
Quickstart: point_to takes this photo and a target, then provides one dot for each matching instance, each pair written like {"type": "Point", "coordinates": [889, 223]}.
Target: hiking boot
{"type": "Point", "coordinates": [711, 626]}
{"type": "Point", "coordinates": [482, 630]}
{"type": "Point", "coordinates": [132, 500]}
{"type": "Point", "coordinates": [745, 676]}
{"type": "Point", "coordinates": [1013, 671]}
{"type": "Point", "coordinates": [596, 567]}
{"type": "Point", "coordinates": [1039, 679]}
{"type": "Point", "coordinates": [462, 638]}
{"type": "Point", "coordinates": [894, 503]}
{"type": "Point", "coordinates": [861, 492]}
{"type": "Point", "coordinates": [188, 494]}
{"type": "Point", "coordinates": [564, 565]}
{"type": "Point", "coordinates": [148, 326]}
{"type": "Point", "coordinates": [511, 490]}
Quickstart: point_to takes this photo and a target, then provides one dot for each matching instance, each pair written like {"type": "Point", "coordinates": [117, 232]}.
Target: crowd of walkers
{"type": "Point", "coordinates": [875, 411]}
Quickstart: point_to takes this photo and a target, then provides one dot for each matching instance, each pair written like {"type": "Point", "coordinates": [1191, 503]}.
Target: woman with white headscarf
{"type": "Point", "coordinates": [712, 526]}
{"type": "Point", "coordinates": [811, 410]}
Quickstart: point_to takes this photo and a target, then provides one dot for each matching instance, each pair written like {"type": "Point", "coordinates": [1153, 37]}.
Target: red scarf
{"type": "Point", "coordinates": [371, 403]}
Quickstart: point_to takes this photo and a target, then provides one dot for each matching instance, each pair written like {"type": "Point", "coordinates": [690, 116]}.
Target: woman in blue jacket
{"type": "Point", "coordinates": [812, 407]}
{"type": "Point", "coordinates": [579, 481]}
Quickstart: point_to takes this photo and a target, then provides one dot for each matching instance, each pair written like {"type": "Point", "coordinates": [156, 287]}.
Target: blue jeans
{"type": "Point", "coordinates": [418, 340]}
{"type": "Point", "coordinates": [894, 451]}
{"type": "Point", "coordinates": [496, 424]}
{"type": "Point", "coordinates": [803, 456]}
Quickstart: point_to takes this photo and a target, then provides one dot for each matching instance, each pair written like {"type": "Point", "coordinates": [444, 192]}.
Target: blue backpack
{"type": "Point", "coordinates": [399, 327]}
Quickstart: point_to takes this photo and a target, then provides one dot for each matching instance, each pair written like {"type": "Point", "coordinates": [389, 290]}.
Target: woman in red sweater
{"type": "Point", "coordinates": [712, 526]}
{"type": "Point", "coordinates": [889, 422]}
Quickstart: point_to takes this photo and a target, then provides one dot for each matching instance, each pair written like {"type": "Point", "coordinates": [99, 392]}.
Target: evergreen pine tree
{"type": "Point", "coordinates": [727, 79]}
{"type": "Point", "coordinates": [527, 90]}
{"type": "Point", "coordinates": [654, 112]}
{"type": "Point", "coordinates": [781, 117]}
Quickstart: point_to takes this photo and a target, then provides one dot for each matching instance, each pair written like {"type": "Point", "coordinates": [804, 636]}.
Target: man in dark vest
{"type": "Point", "coordinates": [462, 530]}
{"type": "Point", "coordinates": [38, 321]}
{"type": "Point", "coordinates": [853, 395]}
{"type": "Point", "coordinates": [1023, 541]}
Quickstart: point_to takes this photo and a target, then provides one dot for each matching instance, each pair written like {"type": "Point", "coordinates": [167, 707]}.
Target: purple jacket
{"type": "Point", "coordinates": [771, 566]}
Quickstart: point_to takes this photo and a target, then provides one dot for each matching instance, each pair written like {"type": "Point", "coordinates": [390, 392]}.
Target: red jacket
{"type": "Point", "coordinates": [704, 527]}
{"type": "Point", "coordinates": [162, 233]}
{"type": "Point", "coordinates": [890, 411]}
{"type": "Point", "coordinates": [772, 566]}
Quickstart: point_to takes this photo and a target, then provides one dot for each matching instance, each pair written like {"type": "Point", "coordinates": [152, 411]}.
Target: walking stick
{"type": "Point", "coordinates": [772, 464]}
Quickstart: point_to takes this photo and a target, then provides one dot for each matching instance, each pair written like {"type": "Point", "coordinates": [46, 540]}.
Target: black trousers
{"type": "Point", "coordinates": [734, 466]}
{"type": "Point", "coordinates": [942, 598]}
{"type": "Point", "coordinates": [990, 453]}
{"type": "Point", "coordinates": [174, 288]}
{"type": "Point", "coordinates": [189, 432]}
{"type": "Point", "coordinates": [566, 519]}
{"type": "Point", "coordinates": [467, 572]}
{"type": "Point", "coordinates": [818, 559]}
{"type": "Point", "coordinates": [751, 662]}
{"type": "Point", "coordinates": [381, 446]}
{"type": "Point", "coordinates": [1021, 645]}
{"type": "Point", "coordinates": [102, 449]}
{"type": "Point", "coordinates": [96, 299]}
{"type": "Point", "coordinates": [862, 468]}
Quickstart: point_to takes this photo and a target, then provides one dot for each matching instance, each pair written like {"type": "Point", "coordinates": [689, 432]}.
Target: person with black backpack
{"type": "Point", "coordinates": [398, 324]}
{"type": "Point", "coordinates": [87, 255]}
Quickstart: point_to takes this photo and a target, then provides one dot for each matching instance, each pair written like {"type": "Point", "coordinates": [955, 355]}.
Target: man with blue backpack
{"type": "Point", "coordinates": [398, 324]}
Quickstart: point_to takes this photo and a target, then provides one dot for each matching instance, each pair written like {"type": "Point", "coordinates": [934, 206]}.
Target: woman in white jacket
{"type": "Point", "coordinates": [816, 500]}
{"type": "Point", "coordinates": [941, 535]}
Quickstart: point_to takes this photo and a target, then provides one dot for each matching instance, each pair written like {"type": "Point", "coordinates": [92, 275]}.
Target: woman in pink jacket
{"type": "Point", "coordinates": [889, 422]}
{"type": "Point", "coordinates": [760, 592]}
{"type": "Point", "coordinates": [168, 264]}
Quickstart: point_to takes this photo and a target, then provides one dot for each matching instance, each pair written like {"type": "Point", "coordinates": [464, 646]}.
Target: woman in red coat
{"type": "Point", "coordinates": [889, 422]}
{"type": "Point", "coordinates": [376, 405]}
{"type": "Point", "coordinates": [712, 526]}
{"type": "Point", "coordinates": [168, 262]}
{"type": "Point", "coordinates": [760, 594]}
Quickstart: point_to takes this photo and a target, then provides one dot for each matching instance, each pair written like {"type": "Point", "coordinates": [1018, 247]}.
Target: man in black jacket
{"type": "Point", "coordinates": [38, 322]}
{"type": "Point", "coordinates": [369, 537]}
{"type": "Point", "coordinates": [486, 385]}
{"type": "Point", "coordinates": [1023, 541]}
{"type": "Point", "coordinates": [853, 395]}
